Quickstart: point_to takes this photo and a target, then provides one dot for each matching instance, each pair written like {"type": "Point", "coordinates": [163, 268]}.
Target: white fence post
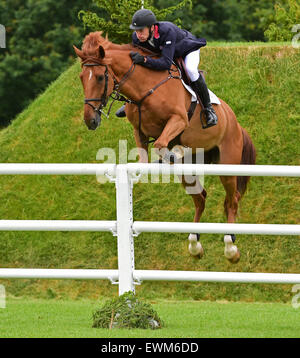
{"type": "Point", "coordinates": [124, 229]}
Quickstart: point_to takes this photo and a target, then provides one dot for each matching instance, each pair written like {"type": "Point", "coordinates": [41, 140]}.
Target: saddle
{"type": "Point", "coordinates": [179, 62]}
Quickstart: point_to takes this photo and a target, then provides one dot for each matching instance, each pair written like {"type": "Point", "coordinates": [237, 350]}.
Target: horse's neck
{"type": "Point", "coordinates": [120, 65]}
{"type": "Point", "coordinates": [139, 81]}
{"type": "Point", "coordinates": [123, 47]}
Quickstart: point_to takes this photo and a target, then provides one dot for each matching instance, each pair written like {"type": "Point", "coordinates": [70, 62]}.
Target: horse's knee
{"type": "Point", "coordinates": [160, 144]}
{"type": "Point", "coordinates": [175, 125]}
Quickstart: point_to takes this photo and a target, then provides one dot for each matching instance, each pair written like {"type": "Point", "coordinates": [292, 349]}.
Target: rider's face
{"type": "Point", "coordinates": [143, 34]}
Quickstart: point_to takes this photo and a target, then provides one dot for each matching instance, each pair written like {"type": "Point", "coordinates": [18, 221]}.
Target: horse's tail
{"type": "Point", "coordinates": [248, 157]}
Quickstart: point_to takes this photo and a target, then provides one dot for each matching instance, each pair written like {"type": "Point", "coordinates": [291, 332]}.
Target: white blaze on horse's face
{"type": "Point", "coordinates": [91, 74]}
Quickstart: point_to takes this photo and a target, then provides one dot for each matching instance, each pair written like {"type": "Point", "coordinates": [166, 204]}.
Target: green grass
{"type": "Point", "coordinates": [260, 83]}
{"type": "Point", "coordinates": [247, 44]}
{"type": "Point", "coordinates": [68, 319]}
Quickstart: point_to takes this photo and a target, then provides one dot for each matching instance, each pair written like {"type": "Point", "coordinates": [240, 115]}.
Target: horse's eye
{"type": "Point", "coordinates": [100, 78]}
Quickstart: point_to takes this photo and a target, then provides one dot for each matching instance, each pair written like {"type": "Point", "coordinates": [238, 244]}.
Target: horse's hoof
{"type": "Point", "coordinates": [195, 247]}
{"type": "Point", "coordinates": [166, 155]}
{"type": "Point", "coordinates": [200, 255]}
{"type": "Point", "coordinates": [158, 161]}
{"type": "Point", "coordinates": [231, 251]}
{"type": "Point", "coordinates": [169, 157]}
{"type": "Point", "coordinates": [236, 258]}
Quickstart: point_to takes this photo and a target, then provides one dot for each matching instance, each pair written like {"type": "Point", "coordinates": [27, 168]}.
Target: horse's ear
{"type": "Point", "coordinates": [101, 52]}
{"type": "Point", "coordinates": [79, 53]}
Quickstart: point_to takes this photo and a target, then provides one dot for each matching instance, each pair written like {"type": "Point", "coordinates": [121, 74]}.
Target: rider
{"type": "Point", "coordinates": [172, 42]}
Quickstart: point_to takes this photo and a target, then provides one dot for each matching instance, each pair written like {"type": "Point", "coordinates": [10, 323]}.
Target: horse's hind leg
{"type": "Point", "coordinates": [232, 198]}
{"type": "Point", "coordinates": [193, 187]}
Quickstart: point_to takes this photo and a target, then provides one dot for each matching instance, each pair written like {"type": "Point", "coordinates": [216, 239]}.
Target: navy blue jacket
{"type": "Point", "coordinates": [171, 42]}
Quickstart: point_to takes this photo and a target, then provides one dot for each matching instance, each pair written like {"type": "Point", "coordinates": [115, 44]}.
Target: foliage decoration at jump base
{"type": "Point", "coordinates": [126, 311]}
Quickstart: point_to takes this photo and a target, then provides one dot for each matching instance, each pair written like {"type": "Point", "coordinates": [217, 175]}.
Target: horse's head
{"type": "Point", "coordinates": [96, 78]}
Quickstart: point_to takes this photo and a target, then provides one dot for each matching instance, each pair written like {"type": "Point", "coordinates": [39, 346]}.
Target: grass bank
{"type": "Point", "coordinates": [260, 83]}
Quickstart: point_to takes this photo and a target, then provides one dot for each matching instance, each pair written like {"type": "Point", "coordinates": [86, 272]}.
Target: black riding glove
{"type": "Point", "coordinates": [137, 58]}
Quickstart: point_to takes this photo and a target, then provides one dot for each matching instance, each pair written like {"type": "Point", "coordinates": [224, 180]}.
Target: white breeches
{"type": "Point", "coordinates": [191, 63]}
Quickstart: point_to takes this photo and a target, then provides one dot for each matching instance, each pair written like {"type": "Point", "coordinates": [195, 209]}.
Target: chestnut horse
{"type": "Point", "coordinates": [157, 108]}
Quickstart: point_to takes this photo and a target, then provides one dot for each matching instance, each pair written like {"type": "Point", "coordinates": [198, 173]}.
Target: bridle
{"type": "Point", "coordinates": [117, 84]}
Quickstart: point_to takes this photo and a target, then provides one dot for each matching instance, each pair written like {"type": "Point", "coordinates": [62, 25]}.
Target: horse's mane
{"type": "Point", "coordinates": [93, 40]}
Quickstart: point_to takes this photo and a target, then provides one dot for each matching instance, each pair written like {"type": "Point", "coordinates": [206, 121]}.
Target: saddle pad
{"type": "Point", "coordinates": [213, 98]}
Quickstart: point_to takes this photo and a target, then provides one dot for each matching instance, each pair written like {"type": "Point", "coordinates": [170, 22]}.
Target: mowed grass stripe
{"type": "Point", "coordinates": [183, 319]}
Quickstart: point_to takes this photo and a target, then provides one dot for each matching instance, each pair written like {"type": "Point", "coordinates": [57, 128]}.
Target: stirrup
{"type": "Point", "coordinates": [213, 120]}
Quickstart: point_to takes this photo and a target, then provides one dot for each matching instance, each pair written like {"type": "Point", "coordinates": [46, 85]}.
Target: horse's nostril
{"type": "Point", "coordinates": [93, 124]}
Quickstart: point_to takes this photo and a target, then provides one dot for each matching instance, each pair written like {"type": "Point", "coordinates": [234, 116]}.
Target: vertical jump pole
{"type": "Point", "coordinates": [142, 4]}
{"type": "Point", "coordinates": [124, 229]}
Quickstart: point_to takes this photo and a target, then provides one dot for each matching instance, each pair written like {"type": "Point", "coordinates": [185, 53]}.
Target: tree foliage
{"type": "Point", "coordinates": [118, 14]}
{"type": "Point", "coordinates": [286, 19]}
{"type": "Point", "coordinates": [40, 33]}
{"type": "Point", "coordinates": [39, 38]}
{"type": "Point", "coordinates": [230, 20]}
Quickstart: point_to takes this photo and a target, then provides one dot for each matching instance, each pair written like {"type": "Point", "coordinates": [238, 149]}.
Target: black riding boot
{"type": "Point", "coordinates": [199, 86]}
{"type": "Point", "coordinates": [121, 112]}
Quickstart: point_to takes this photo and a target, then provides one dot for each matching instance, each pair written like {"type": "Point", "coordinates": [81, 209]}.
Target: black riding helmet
{"type": "Point", "coordinates": [142, 18]}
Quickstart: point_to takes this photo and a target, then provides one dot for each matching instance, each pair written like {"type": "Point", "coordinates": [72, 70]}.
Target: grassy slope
{"type": "Point", "coordinates": [259, 82]}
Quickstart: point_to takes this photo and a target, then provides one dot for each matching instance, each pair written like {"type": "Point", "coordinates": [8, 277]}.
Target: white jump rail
{"type": "Point", "coordinates": [215, 228]}
{"type": "Point", "coordinates": [210, 276]}
{"type": "Point", "coordinates": [215, 169]}
{"type": "Point", "coordinates": [58, 225]}
{"type": "Point", "coordinates": [56, 169]}
{"type": "Point", "coordinates": [57, 274]}
{"type": "Point", "coordinates": [124, 176]}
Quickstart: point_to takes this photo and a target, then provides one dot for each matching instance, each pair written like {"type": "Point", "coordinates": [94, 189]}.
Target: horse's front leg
{"type": "Point", "coordinates": [175, 125]}
{"type": "Point", "coordinates": [142, 145]}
